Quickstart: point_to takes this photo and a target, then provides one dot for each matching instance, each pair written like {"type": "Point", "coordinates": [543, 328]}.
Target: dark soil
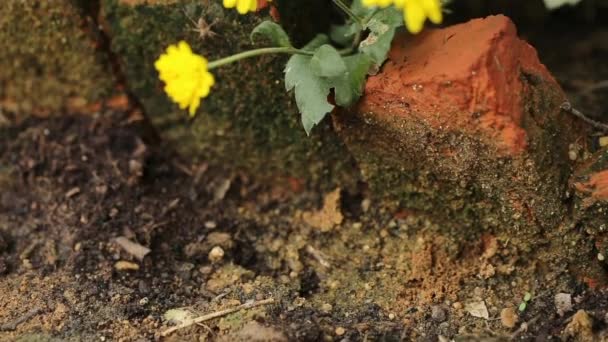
{"type": "Point", "coordinates": [72, 184]}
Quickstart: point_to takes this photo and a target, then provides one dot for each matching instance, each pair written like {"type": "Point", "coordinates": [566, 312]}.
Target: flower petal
{"type": "Point", "coordinates": [185, 75]}
{"type": "Point", "coordinates": [414, 16]}
{"type": "Point", "coordinates": [433, 10]}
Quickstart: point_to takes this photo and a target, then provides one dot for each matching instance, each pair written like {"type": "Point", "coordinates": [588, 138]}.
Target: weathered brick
{"type": "Point", "coordinates": [590, 185]}
{"type": "Point", "coordinates": [465, 77]}
{"type": "Point", "coordinates": [465, 121]}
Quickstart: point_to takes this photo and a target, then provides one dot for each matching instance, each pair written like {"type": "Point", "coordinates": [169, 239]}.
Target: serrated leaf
{"type": "Point", "coordinates": [361, 10]}
{"type": "Point", "coordinates": [349, 86]}
{"type": "Point", "coordinates": [553, 4]}
{"type": "Point", "coordinates": [291, 78]}
{"type": "Point", "coordinates": [344, 34]}
{"type": "Point", "coordinates": [271, 31]}
{"type": "Point", "coordinates": [310, 90]}
{"type": "Point", "coordinates": [327, 62]}
{"type": "Point", "coordinates": [382, 28]}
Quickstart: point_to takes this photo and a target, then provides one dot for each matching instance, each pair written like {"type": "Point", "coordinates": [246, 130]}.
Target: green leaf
{"type": "Point", "coordinates": [310, 90]}
{"type": "Point", "coordinates": [344, 34]}
{"type": "Point", "coordinates": [553, 4]}
{"type": "Point", "coordinates": [273, 32]}
{"type": "Point", "coordinates": [360, 10]}
{"type": "Point", "coordinates": [327, 62]}
{"type": "Point", "coordinates": [349, 86]}
{"type": "Point", "coordinates": [382, 28]}
{"type": "Point", "coordinates": [522, 306]}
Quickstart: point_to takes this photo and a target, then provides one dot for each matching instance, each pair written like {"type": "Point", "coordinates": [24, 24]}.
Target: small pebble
{"type": "Point", "coordinates": [205, 270]}
{"type": "Point", "coordinates": [216, 254]}
{"type": "Point", "coordinates": [600, 257]}
{"type": "Point", "coordinates": [437, 313]}
{"type": "Point", "coordinates": [340, 331]}
{"type": "Point", "coordinates": [126, 266]}
{"type": "Point", "coordinates": [366, 203]}
{"type": "Point", "coordinates": [113, 213]}
{"type": "Point", "coordinates": [580, 327]}
{"type": "Point", "coordinates": [326, 307]}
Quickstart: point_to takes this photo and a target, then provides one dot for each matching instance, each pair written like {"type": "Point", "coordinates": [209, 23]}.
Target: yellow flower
{"type": "Point", "coordinates": [186, 76]}
{"type": "Point", "coordinates": [415, 12]}
{"type": "Point", "coordinates": [379, 3]}
{"type": "Point", "coordinates": [243, 6]}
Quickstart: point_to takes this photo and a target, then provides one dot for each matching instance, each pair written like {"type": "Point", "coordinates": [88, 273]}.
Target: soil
{"type": "Point", "coordinates": [338, 265]}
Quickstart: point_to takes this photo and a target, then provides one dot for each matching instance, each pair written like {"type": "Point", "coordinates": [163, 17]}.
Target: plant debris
{"type": "Point", "coordinates": [133, 248]}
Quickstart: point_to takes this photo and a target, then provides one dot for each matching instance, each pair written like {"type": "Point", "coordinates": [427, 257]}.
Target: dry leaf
{"type": "Point", "coordinates": [563, 303]}
{"type": "Point", "coordinates": [178, 316]}
{"type": "Point", "coordinates": [477, 309]}
{"type": "Point", "coordinates": [135, 249]}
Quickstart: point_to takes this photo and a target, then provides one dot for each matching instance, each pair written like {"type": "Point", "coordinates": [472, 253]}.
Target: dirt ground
{"type": "Point", "coordinates": [337, 266]}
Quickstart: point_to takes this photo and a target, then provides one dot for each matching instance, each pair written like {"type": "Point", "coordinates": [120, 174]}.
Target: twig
{"type": "Point", "coordinates": [217, 314]}
{"type": "Point", "coordinates": [597, 86]}
{"type": "Point", "coordinates": [27, 316]}
{"type": "Point", "coordinates": [206, 328]}
{"type": "Point", "coordinates": [220, 296]}
{"type": "Point", "coordinates": [524, 327]}
{"type": "Point", "coordinates": [348, 12]}
{"type": "Point", "coordinates": [318, 256]}
{"type": "Point", "coordinates": [567, 107]}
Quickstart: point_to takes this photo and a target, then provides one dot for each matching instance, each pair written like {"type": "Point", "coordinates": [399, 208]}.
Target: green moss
{"type": "Point", "coordinates": [47, 59]}
{"type": "Point", "coordinates": [37, 338]}
{"type": "Point", "coordinates": [248, 121]}
{"type": "Point", "coordinates": [461, 179]}
{"type": "Point", "coordinates": [461, 191]}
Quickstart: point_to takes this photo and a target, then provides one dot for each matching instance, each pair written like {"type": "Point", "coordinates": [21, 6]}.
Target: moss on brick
{"type": "Point", "coordinates": [248, 121]}
{"type": "Point", "coordinates": [48, 60]}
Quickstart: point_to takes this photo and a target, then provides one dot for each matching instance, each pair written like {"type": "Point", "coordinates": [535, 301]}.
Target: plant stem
{"type": "Point", "coordinates": [256, 52]}
{"type": "Point", "coordinates": [348, 12]}
{"type": "Point", "coordinates": [354, 45]}
{"type": "Point", "coordinates": [567, 107]}
{"type": "Point", "coordinates": [217, 314]}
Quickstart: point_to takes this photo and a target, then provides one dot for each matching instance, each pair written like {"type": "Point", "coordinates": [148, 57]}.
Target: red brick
{"type": "Point", "coordinates": [466, 117]}
{"type": "Point", "coordinates": [465, 77]}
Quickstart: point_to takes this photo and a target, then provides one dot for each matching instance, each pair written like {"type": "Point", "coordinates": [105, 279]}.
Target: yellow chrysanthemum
{"type": "Point", "coordinates": [379, 3]}
{"type": "Point", "coordinates": [243, 6]}
{"type": "Point", "coordinates": [415, 12]}
{"type": "Point", "coordinates": [186, 76]}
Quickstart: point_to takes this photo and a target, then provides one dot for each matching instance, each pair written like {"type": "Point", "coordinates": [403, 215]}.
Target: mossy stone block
{"type": "Point", "coordinates": [248, 121]}
{"type": "Point", "coordinates": [49, 61]}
